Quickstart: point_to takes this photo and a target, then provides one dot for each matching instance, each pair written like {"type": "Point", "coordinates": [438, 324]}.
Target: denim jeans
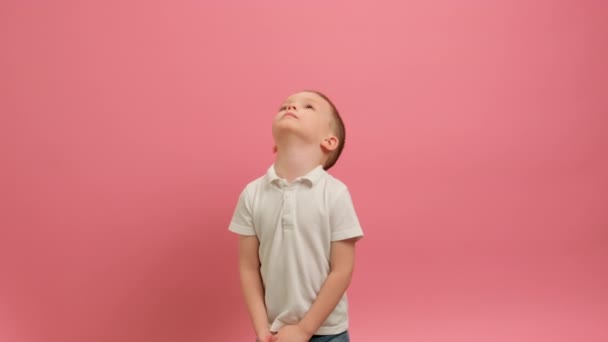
{"type": "Point", "coordinates": [342, 337]}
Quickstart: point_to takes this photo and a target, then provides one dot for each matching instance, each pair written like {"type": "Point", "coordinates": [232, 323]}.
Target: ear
{"type": "Point", "coordinates": [274, 149]}
{"type": "Point", "coordinates": [330, 143]}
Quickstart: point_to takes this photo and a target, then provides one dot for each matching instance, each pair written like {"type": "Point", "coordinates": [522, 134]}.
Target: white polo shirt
{"type": "Point", "coordinates": [295, 224]}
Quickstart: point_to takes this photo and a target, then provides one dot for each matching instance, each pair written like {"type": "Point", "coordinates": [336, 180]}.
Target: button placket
{"type": "Point", "coordinates": [287, 215]}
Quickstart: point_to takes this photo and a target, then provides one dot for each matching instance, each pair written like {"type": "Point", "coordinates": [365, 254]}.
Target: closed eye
{"type": "Point", "coordinates": [309, 106]}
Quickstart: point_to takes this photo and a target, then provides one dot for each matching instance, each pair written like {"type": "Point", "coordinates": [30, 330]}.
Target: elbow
{"type": "Point", "coordinates": [248, 268]}
{"type": "Point", "coordinates": [345, 275]}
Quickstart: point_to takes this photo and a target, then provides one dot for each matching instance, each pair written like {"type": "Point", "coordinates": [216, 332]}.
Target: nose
{"type": "Point", "coordinates": [291, 107]}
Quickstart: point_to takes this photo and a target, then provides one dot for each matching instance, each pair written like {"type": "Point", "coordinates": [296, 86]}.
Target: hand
{"type": "Point", "coordinates": [291, 333]}
{"type": "Point", "coordinates": [265, 336]}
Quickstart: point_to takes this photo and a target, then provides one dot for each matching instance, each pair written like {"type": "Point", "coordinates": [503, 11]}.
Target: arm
{"type": "Point", "coordinates": [251, 285]}
{"type": "Point", "coordinates": [342, 262]}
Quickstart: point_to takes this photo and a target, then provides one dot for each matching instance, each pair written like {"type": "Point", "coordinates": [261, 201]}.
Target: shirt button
{"type": "Point", "coordinates": [287, 220]}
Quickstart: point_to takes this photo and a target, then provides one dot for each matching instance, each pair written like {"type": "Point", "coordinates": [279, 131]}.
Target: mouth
{"type": "Point", "coordinates": [290, 114]}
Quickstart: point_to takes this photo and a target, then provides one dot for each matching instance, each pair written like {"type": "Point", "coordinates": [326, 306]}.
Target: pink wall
{"type": "Point", "coordinates": [476, 155]}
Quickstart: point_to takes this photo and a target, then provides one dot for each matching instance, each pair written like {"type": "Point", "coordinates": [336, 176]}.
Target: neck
{"type": "Point", "coordinates": [296, 161]}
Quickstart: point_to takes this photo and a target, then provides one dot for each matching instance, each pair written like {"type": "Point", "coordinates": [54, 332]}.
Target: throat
{"type": "Point", "coordinates": [291, 164]}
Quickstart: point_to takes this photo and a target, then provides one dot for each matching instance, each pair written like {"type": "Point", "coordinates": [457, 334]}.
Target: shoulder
{"type": "Point", "coordinates": [333, 184]}
{"type": "Point", "coordinates": [254, 186]}
{"type": "Point", "coordinates": [256, 182]}
{"type": "Point", "coordinates": [334, 190]}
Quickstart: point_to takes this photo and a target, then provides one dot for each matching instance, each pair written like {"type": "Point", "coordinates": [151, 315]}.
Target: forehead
{"type": "Point", "coordinates": [306, 96]}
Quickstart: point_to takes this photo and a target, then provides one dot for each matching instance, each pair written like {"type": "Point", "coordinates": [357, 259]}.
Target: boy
{"type": "Point", "coordinates": [297, 229]}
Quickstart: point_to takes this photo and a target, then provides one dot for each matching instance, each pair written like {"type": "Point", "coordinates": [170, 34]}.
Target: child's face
{"type": "Point", "coordinates": [305, 114]}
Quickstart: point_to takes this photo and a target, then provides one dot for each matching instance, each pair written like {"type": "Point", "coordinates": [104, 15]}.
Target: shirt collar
{"type": "Point", "coordinates": [311, 177]}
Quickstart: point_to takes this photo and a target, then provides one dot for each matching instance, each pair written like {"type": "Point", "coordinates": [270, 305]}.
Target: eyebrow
{"type": "Point", "coordinates": [304, 98]}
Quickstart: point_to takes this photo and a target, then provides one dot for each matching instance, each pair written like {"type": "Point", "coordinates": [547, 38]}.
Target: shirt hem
{"type": "Point", "coordinates": [337, 329]}
{"type": "Point", "coordinates": [242, 230]}
{"type": "Point", "coordinates": [333, 330]}
{"type": "Point", "coordinates": [346, 234]}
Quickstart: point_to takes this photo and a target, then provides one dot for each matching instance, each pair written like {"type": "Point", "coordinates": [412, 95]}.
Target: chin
{"type": "Point", "coordinates": [285, 126]}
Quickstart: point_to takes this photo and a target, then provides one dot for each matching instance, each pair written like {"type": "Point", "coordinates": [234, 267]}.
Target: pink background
{"type": "Point", "coordinates": [476, 156]}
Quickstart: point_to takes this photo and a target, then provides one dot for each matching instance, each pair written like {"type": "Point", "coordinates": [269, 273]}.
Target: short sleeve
{"type": "Point", "coordinates": [242, 219]}
{"type": "Point", "coordinates": [343, 218]}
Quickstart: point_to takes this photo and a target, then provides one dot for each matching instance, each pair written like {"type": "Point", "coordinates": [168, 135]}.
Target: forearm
{"type": "Point", "coordinates": [253, 291]}
{"type": "Point", "coordinates": [329, 296]}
